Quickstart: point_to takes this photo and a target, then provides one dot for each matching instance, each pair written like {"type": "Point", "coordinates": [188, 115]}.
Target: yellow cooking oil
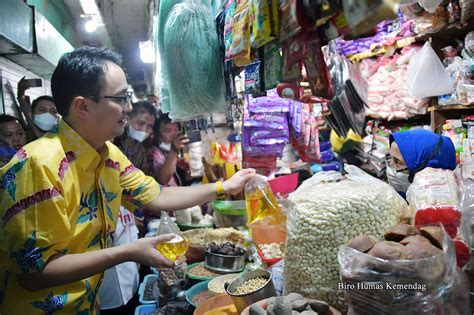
{"type": "Point", "coordinates": [261, 204]}
{"type": "Point", "coordinates": [171, 250]}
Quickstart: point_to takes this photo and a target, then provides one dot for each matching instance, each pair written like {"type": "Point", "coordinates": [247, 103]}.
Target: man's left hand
{"type": "Point", "coordinates": [236, 183]}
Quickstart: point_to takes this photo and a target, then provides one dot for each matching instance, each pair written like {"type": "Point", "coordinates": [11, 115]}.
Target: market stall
{"type": "Point", "coordinates": [310, 89]}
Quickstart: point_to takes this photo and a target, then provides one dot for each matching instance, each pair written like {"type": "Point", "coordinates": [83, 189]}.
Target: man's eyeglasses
{"type": "Point", "coordinates": [124, 99]}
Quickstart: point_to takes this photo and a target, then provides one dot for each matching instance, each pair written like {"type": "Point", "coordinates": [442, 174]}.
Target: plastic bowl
{"type": "Point", "coordinates": [195, 289]}
{"type": "Point", "coordinates": [284, 185]}
{"type": "Point", "coordinates": [225, 278]}
{"type": "Point", "coordinates": [193, 277]}
{"type": "Point", "coordinates": [145, 309]}
{"type": "Point", "coordinates": [213, 303]}
{"type": "Point", "coordinates": [141, 290]}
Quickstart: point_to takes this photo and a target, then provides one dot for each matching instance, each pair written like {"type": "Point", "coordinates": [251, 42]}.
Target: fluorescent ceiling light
{"type": "Point", "coordinates": [91, 26]}
{"type": "Point", "coordinates": [89, 7]}
{"type": "Point", "coordinates": [147, 52]}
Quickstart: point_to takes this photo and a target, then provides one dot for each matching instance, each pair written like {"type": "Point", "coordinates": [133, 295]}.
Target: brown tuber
{"type": "Point", "coordinates": [400, 231]}
{"type": "Point", "coordinates": [434, 234]}
{"type": "Point", "coordinates": [362, 243]}
{"type": "Point", "coordinates": [388, 250]}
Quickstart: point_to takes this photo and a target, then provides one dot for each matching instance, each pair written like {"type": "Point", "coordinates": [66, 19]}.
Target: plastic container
{"type": "Point", "coordinates": [213, 303]}
{"type": "Point", "coordinates": [229, 213]}
{"type": "Point", "coordinates": [195, 289]}
{"type": "Point", "coordinates": [284, 185]}
{"type": "Point", "coordinates": [190, 276]}
{"type": "Point", "coordinates": [267, 234]}
{"type": "Point", "coordinates": [141, 290]}
{"type": "Point", "coordinates": [225, 278]}
{"type": "Point", "coordinates": [144, 309]}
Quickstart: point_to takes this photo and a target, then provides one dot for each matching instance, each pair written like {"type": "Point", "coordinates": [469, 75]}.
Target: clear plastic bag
{"type": "Point", "coordinates": [433, 197]}
{"type": "Point", "coordinates": [261, 203]}
{"type": "Point", "coordinates": [431, 285]}
{"type": "Point", "coordinates": [327, 211]}
{"type": "Point", "coordinates": [175, 248]}
{"type": "Point", "coordinates": [423, 67]}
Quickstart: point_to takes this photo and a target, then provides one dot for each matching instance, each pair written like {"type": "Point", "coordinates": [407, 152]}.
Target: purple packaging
{"type": "Point", "coordinates": [326, 156]}
{"type": "Point", "coordinates": [266, 121]}
{"type": "Point", "coordinates": [331, 166]}
{"type": "Point", "coordinates": [295, 117]}
{"type": "Point", "coordinates": [324, 146]}
{"type": "Point", "coordinates": [268, 104]}
{"type": "Point", "coordinates": [266, 150]}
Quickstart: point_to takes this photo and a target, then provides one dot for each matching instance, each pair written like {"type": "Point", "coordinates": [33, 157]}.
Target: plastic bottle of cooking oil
{"type": "Point", "coordinates": [261, 203]}
{"type": "Point", "coordinates": [176, 247]}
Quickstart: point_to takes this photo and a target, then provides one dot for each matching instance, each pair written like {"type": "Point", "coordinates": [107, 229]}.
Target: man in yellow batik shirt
{"type": "Point", "coordinates": [60, 195]}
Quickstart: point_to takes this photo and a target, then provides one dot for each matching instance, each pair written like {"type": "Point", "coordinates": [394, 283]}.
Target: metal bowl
{"type": "Point", "coordinates": [223, 263]}
{"type": "Point", "coordinates": [241, 301]}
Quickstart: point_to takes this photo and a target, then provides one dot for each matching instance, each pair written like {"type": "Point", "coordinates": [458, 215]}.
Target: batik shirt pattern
{"type": "Point", "coordinates": [58, 195]}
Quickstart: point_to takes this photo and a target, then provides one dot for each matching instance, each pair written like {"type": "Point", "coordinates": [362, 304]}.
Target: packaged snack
{"type": "Point", "coordinates": [316, 69]}
{"type": "Point", "coordinates": [229, 22]}
{"type": "Point", "coordinates": [253, 82]}
{"type": "Point", "coordinates": [241, 38]}
{"type": "Point", "coordinates": [260, 23]}
{"type": "Point", "coordinates": [272, 65]}
{"type": "Point", "coordinates": [289, 25]}
{"type": "Point", "coordinates": [295, 48]}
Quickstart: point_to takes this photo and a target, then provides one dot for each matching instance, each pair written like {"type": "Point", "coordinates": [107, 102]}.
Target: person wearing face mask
{"type": "Point", "coordinates": [41, 115]}
{"type": "Point", "coordinates": [168, 142]}
{"type": "Point", "coordinates": [414, 150]}
{"type": "Point", "coordinates": [136, 142]}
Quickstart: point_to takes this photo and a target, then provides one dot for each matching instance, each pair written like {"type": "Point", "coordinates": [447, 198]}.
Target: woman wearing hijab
{"type": "Point", "coordinates": [414, 150]}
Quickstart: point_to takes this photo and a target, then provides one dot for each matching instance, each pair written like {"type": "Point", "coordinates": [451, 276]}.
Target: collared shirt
{"type": "Point", "coordinates": [59, 195]}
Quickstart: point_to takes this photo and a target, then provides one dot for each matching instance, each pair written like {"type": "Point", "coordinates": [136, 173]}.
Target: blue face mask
{"type": "Point", "coordinates": [45, 121]}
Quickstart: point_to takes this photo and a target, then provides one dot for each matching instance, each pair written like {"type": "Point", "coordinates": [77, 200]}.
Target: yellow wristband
{"type": "Point", "coordinates": [220, 187]}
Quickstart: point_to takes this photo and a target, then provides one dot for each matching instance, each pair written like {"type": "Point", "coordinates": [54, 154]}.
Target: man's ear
{"type": "Point", "coordinates": [80, 107]}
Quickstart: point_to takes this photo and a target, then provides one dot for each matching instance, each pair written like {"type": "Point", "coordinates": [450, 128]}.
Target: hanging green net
{"type": "Point", "coordinates": [191, 68]}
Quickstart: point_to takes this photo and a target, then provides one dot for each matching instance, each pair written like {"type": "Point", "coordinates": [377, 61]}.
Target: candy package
{"type": "Point", "coordinates": [290, 73]}
{"type": "Point", "coordinates": [260, 23]}
{"type": "Point", "coordinates": [268, 105]}
{"type": "Point", "coordinates": [229, 22]}
{"type": "Point", "coordinates": [316, 69]}
{"type": "Point", "coordinates": [295, 49]}
{"type": "Point", "coordinates": [289, 25]}
{"type": "Point", "coordinates": [253, 81]}
{"type": "Point", "coordinates": [241, 38]}
{"type": "Point", "coordinates": [272, 65]}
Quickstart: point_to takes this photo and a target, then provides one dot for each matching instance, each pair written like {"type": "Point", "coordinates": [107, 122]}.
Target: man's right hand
{"type": "Point", "coordinates": [179, 141]}
{"type": "Point", "coordinates": [23, 85]}
{"type": "Point", "coordinates": [143, 251]}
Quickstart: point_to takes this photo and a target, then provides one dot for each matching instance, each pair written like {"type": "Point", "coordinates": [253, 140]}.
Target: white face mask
{"type": "Point", "coordinates": [138, 135]}
{"type": "Point", "coordinates": [398, 180]}
{"type": "Point", "coordinates": [45, 121]}
{"type": "Point", "coordinates": [165, 146]}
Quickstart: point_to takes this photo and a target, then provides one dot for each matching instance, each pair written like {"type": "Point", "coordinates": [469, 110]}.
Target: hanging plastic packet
{"type": "Point", "coordinates": [241, 38]}
{"type": "Point", "coordinates": [253, 82]}
{"type": "Point", "coordinates": [290, 73]}
{"type": "Point", "coordinates": [229, 22]}
{"type": "Point", "coordinates": [261, 203]}
{"type": "Point", "coordinates": [272, 65]}
{"type": "Point", "coordinates": [289, 26]}
{"type": "Point", "coordinates": [316, 70]}
{"type": "Point", "coordinates": [274, 18]}
{"type": "Point", "coordinates": [260, 23]}
{"type": "Point", "coordinates": [295, 48]}
{"type": "Point", "coordinates": [175, 248]}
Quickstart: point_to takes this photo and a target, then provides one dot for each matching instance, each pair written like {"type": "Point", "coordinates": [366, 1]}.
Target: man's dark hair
{"type": "Point", "coordinates": [80, 73]}
{"type": "Point", "coordinates": [39, 99]}
{"type": "Point", "coordinates": [142, 107]}
{"type": "Point", "coordinates": [4, 118]}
